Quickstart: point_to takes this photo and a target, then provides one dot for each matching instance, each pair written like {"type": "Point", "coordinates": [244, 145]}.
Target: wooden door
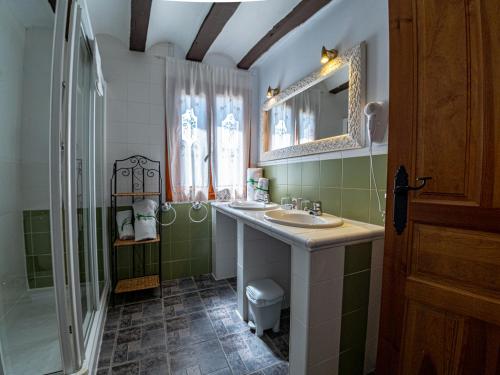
{"type": "Point", "coordinates": [441, 284]}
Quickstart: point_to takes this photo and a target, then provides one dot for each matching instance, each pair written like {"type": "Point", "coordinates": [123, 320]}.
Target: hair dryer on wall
{"type": "Point", "coordinates": [374, 113]}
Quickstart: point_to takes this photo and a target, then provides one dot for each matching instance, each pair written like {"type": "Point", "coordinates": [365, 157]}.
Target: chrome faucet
{"type": "Point", "coordinates": [296, 203]}
{"type": "Point", "coordinates": [316, 209]}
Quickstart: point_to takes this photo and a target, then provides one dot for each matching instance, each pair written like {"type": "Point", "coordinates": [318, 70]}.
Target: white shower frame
{"type": "Point", "coordinates": [78, 351]}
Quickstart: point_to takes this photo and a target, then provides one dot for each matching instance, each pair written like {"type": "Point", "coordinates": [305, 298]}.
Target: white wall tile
{"type": "Point", "coordinates": [157, 114]}
{"type": "Point", "coordinates": [325, 300]}
{"type": "Point", "coordinates": [157, 94]}
{"type": "Point", "coordinates": [324, 341]}
{"type": "Point", "coordinates": [327, 264]}
{"type": "Point", "coordinates": [117, 111]}
{"type": "Point", "coordinates": [138, 92]}
{"type": "Point", "coordinates": [138, 113]}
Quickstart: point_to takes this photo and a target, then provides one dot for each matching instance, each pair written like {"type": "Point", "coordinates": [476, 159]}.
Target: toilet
{"type": "Point", "coordinates": [265, 298]}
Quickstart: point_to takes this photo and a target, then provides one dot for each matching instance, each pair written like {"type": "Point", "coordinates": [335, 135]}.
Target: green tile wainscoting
{"type": "Point", "coordinates": [38, 248]}
{"type": "Point", "coordinates": [343, 186]}
{"type": "Point", "coordinates": [355, 299]}
{"type": "Point", "coordinates": [37, 244]}
{"type": "Point", "coordinates": [186, 247]}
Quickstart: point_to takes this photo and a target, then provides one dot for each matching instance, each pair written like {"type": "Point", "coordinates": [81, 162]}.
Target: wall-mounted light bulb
{"type": "Point", "coordinates": [272, 92]}
{"type": "Point", "coordinates": [327, 55]}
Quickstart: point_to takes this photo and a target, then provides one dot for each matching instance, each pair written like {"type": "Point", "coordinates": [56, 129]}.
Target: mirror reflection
{"type": "Point", "coordinates": [319, 112]}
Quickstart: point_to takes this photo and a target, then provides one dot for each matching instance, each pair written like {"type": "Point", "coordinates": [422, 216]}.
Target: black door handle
{"type": "Point", "coordinates": [401, 189]}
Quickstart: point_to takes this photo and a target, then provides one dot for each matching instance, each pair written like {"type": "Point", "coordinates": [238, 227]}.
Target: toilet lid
{"type": "Point", "coordinates": [264, 291]}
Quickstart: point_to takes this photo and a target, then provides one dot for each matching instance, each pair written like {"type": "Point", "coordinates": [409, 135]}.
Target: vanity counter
{"type": "Point", "coordinates": [311, 239]}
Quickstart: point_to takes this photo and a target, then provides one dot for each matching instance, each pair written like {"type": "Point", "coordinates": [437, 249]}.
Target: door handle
{"type": "Point", "coordinates": [401, 189]}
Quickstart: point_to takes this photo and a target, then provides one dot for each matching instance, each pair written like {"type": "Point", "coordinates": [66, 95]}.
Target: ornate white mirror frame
{"type": "Point", "coordinates": [355, 138]}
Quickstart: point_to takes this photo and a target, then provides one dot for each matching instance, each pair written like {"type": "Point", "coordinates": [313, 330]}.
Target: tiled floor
{"type": "Point", "coordinates": [194, 330]}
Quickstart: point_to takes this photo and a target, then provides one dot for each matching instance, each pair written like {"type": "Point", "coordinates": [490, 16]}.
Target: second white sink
{"type": "Point", "coordinates": [252, 205]}
{"type": "Point", "coordinates": [297, 218]}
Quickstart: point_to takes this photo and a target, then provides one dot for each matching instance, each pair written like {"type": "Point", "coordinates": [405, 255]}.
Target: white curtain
{"type": "Point", "coordinates": [188, 117]}
{"type": "Point", "coordinates": [282, 126]}
{"type": "Point", "coordinates": [231, 129]}
{"type": "Point", "coordinates": [203, 104]}
{"type": "Point", "coordinates": [307, 107]}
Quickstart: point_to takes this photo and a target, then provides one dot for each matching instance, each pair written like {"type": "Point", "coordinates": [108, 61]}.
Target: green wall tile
{"type": "Point", "coordinates": [27, 221]}
{"type": "Point", "coordinates": [353, 330]}
{"type": "Point", "coordinates": [41, 243]}
{"type": "Point", "coordinates": [28, 243]}
{"type": "Point", "coordinates": [356, 291]}
{"type": "Point", "coordinates": [199, 230]}
{"type": "Point", "coordinates": [166, 273]}
{"type": "Point", "coordinates": [294, 191]}
{"type": "Point", "coordinates": [42, 265]}
{"type": "Point", "coordinates": [351, 362]}
{"type": "Point", "coordinates": [200, 266]}
{"type": "Point", "coordinates": [165, 250]}
{"type": "Point", "coordinates": [40, 221]}
{"type": "Point", "coordinates": [356, 173]}
{"type": "Point", "coordinates": [331, 199]}
{"type": "Point", "coordinates": [282, 174]}
{"type": "Point", "coordinates": [30, 266]}
{"type": "Point", "coordinates": [310, 192]}
{"type": "Point", "coordinates": [31, 282]}
{"type": "Point", "coordinates": [380, 171]}
{"type": "Point", "coordinates": [44, 282]}
{"type": "Point", "coordinates": [278, 192]}
{"type": "Point", "coordinates": [180, 269]}
{"type": "Point", "coordinates": [294, 174]}
{"type": "Point", "coordinates": [331, 173]}
{"type": "Point", "coordinates": [180, 250]}
{"type": "Point", "coordinates": [357, 257]}
{"type": "Point", "coordinates": [356, 204]}
{"type": "Point", "coordinates": [375, 215]}
{"type": "Point", "coordinates": [201, 248]}
{"type": "Point", "coordinates": [180, 231]}
{"type": "Point", "coordinates": [310, 173]}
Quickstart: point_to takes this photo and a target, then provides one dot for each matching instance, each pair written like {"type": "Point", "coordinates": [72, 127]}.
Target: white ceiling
{"type": "Point", "coordinates": [32, 13]}
{"type": "Point", "coordinates": [179, 22]}
{"type": "Point", "coordinates": [250, 22]}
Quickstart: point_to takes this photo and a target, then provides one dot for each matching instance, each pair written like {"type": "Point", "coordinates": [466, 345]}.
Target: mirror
{"type": "Point", "coordinates": [320, 113]}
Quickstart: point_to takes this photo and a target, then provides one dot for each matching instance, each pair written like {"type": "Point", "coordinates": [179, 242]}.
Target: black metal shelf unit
{"type": "Point", "coordinates": [136, 177]}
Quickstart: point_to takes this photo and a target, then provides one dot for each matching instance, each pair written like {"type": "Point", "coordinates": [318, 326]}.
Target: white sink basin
{"type": "Point", "coordinates": [297, 218]}
{"type": "Point", "coordinates": [254, 206]}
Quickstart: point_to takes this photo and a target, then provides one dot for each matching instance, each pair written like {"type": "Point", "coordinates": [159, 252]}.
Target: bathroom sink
{"type": "Point", "coordinates": [251, 205]}
{"type": "Point", "coordinates": [296, 218]}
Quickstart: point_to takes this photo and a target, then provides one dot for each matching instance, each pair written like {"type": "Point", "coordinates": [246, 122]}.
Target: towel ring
{"type": "Point", "coordinates": [166, 207]}
{"type": "Point", "coordinates": [197, 206]}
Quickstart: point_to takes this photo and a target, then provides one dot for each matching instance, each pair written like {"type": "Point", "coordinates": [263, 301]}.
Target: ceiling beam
{"type": "Point", "coordinates": [53, 5]}
{"type": "Point", "coordinates": [340, 88]}
{"type": "Point", "coordinates": [214, 22]}
{"type": "Point", "coordinates": [139, 23]}
{"type": "Point", "coordinates": [300, 14]}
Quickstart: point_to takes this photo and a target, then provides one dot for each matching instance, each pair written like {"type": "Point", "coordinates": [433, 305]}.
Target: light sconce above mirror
{"type": "Point", "coordinates": [328, 54]}
{"type": "Point", "coordinates": [272, 92]}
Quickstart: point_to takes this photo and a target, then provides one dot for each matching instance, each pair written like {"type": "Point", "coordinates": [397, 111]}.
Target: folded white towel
{"type": "Point", "coordinates": [125, 226]}
{"type": "Point", "coordinates": [262, 189]}
{"type": "Point", "coordinates": [253, 175]}
{"type": "Point", "coordinates": [145, 219]}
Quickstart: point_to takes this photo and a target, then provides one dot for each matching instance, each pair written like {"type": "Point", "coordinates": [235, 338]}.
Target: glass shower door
{"type": "Point", "coordinates": [29, 326]}
{"type": "Point", "coordinates": [84, 181]}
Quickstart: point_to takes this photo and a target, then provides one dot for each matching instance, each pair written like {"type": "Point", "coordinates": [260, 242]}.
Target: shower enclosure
{"type": "Point", "coordinates": [53, 246]}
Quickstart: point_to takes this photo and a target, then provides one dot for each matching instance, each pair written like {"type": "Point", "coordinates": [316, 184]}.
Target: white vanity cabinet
{"type": "Point", "coordinates": [309, 264]}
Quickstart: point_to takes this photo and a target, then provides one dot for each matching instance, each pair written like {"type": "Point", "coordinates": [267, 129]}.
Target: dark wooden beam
{"type": "Point", "coordinates": [340, 88]}
{"type": "Point", "coordinates": [300, 14]}
{"type": "Point", "coordinates": [214, 22]}
{"type": "Point", "coordinates": [53, 5]}
{"type": "Point", "coordinates": [139, 23]}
